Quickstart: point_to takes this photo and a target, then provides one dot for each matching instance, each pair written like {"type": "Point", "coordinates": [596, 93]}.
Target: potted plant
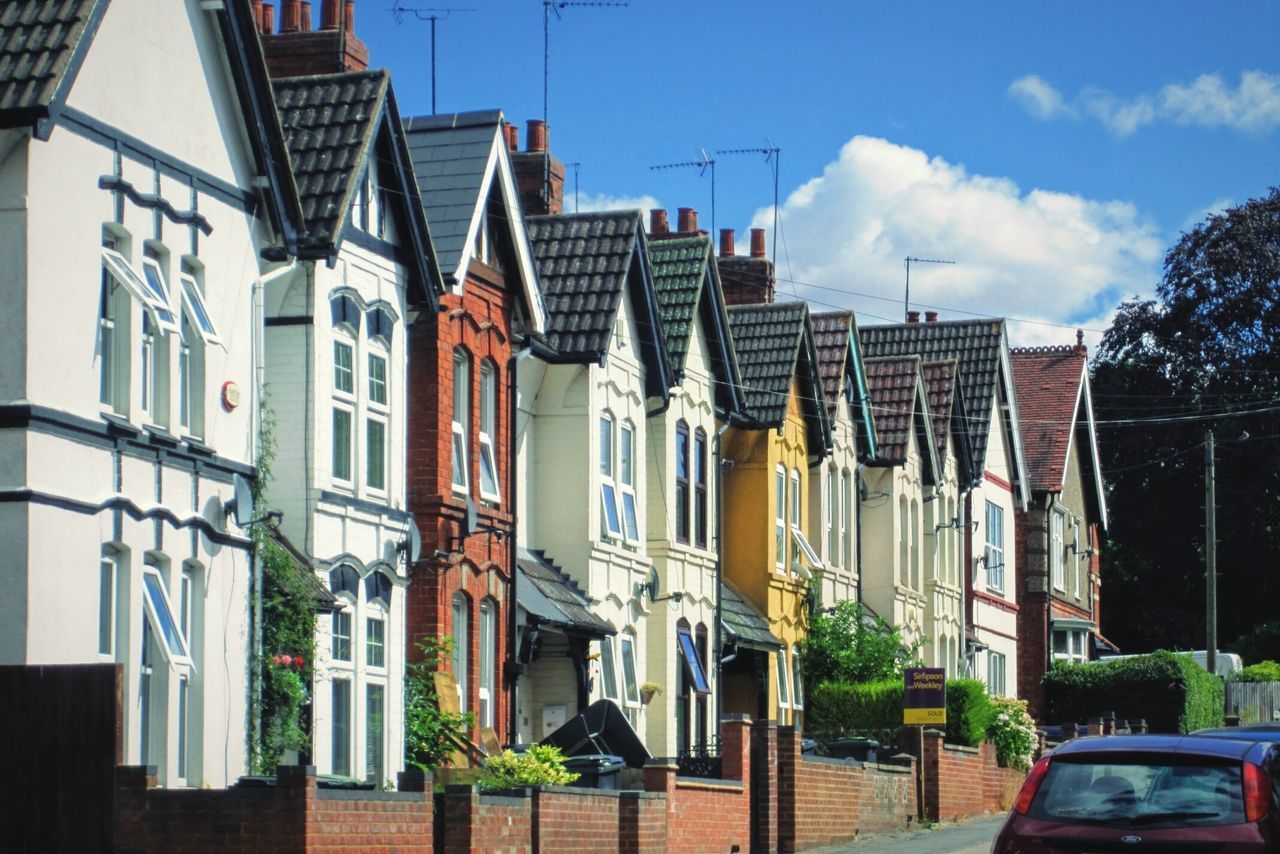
{"type": "Point", "coordinates": [648, 691]}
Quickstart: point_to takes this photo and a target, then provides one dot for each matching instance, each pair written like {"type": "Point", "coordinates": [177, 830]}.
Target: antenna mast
{"type": "Point", "coordinates": [906, 297]}
{"type": "Point", "coordinates": [399, 10]}
{"type": "Point", "coordinates": [703, 165]}
{"type": "Point", "coordinates": [575, 167]}
{"type": "Point", "coordinates": [772, 156]}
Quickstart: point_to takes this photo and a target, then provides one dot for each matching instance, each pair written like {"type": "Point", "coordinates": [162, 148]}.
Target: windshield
{"type": "Point", "coordinates": [1141, 790]}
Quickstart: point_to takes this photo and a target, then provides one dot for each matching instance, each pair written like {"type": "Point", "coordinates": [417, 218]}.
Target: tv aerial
{"type": "Point", "coordinates": [773, 157]}
{"type": "Point", "coordinates": [241, 508]}
{"type": "Point", "coordinates": [906, 297]}
{"type": "Point", "coordinates": [706, 164]}
{"type": "Point", "coordinates": [399, 10]}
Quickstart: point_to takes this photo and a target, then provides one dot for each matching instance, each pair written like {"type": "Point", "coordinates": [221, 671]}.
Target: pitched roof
{"type": "Point", "coordinates": [554, 598]}
{"type": "Point", "coordinates": [329, 122]}
{"type": "Point", "coordinates": [679, 271]}
{"type": "Point", "coordinates": [774, 343]}
{"type": "Point", "coordinates": [584, 268]}
{"type": "Point", "coordinates": [940, 389]}
{"type": "Point", "coordinates": [743, 623]}
{"type": "Point", "coordinates": [41, 43]}
{"type": "Point", "coordinates": [895, 389]}
{"type": "Point", "coordinates": [831, 338]}
{"type": "Point", "coordinates": [1053, 395]}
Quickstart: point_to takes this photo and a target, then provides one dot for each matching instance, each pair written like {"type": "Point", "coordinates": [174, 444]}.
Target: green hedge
{"type": "Point", "coordinates": [1172, 692]}
{"type": "Point", "coordinates": [848, 707]}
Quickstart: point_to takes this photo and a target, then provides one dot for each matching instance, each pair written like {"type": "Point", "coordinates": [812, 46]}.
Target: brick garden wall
{"type": "Point", "coordinates": [961, 782]}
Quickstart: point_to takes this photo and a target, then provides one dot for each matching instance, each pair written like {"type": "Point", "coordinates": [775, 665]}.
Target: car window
{"type": "Point", "coordinates": [1140, 791]}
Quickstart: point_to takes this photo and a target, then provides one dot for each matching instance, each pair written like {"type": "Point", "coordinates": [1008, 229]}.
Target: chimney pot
{"type": "Point", "coordinates": [726, 243]}
{"type": "Point", "coordinates": [349, 16]}
{"type": "Point", "coordinates": [256, 10]}
{"type": "Point", "coordinates": [688, 221]}
{"type": "Point", "coordinates": [536, 136]}
{"type": "Point", "coordinates": [658, 221]}
{"type": "Point", "coordinates": [757, 243]}
{"type": "Point", "coordinates": [913, 317]}
{"type": "Point", "coordinates": [268, 19]}
{"type": "Point", "coordinates": [304, 16]}
{"type": "Point", "coordinates": [1080, 349]}
{"type": "Point", "coordinates": [513, 137]}
{"type": "Point", "coordinates": [930, 317]}
{"type": "Point", "coordinates": [290, 16]}
{"type": "Point", "coordinates": [330, 12]}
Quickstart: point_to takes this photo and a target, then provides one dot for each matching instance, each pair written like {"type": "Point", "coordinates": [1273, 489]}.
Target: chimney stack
{"type": "Point", "coordinates": [255, 9]}
{"type": "Point", "coordinates": [539, 175]}
{"type": "Point", "coordinates": [297, 51]}
{"type": "Point", "coordinates": [913, 317]}
{"type": "Point", "coordinates": [688, 221]}
{"type": "Point", "coordinates": [757, 243]}
{"type": "Point", "coordinates": [726, 243]}
{"type": "Point", "coordinates": [930, 317]}
{"type": "Point", "coordinates": [1080, 349]}
{"type": "Point", "coordinates": [658, 221]}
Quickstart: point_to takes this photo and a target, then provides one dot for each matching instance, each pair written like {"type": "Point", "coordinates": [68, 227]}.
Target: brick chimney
{"type": "Point", "coordinates": [512, 136]}
{"type": "Point", "coordinates": [746, 280]}
{"type": "Point", "coordinates": [539, 175]}
{"type": "Point", "coordinates": [299, 51]}
{"type": "Point", "coordinates": [658, 222]}
{"type": "Point", "coordinates": [930, 317]}
{"type": "Point", "coordinates": [1080, 349]}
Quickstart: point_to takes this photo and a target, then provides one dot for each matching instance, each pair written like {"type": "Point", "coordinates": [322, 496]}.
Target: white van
{"type": "Point", "coordinates": [1226, 663]}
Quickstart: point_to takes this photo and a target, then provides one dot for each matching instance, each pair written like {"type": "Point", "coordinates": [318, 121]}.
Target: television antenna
{"type": "Point", "coordinates": [575, 167]}
{"type": "Point", "coordinates": [906, 297]}
{"type": "Point", "coordinates": [399, 10]}
{"type": "Point", "coordinates": [772, 156]}
{"type": "Point", "coordinates": [703, 166]}
{"type": "Point", "coordinates": [549, 6]}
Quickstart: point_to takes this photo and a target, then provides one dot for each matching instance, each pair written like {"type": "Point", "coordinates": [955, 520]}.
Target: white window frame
{"type": "Point", "coordinates": [832, 516]}
{"type": "Point", "coordinates": [107, 574]}
{"type": "Point", "coordinates": [797, 680]}
{"type": "Point", "coordinates": [373, 774]}
{"type": "Point", "coordinates": [160, 613]}
{"type": "Point", "coordinates": [193, 302]}
{"type": "Point", "coordinates": [384, 383]}
{"type": "Point", "coordinates": [803, 547]}
{"type": "Point", "coordinates": [996, 673]}
{"type": "Point", "coordinates": [128, 277]}
{"type": "Point", "coordinates": [630, 685]}
{"type": "Point", "coordinates": [610, 522]}
{"type": "Point", "coordinates": [846, 520]}
{"type": "Point", "coordinates": [347, 722]}
{"type": "Point", "coordinates": [342, 619]}
{"type": "Point", "coordinates": [993, 551]}
{"type": "Point", "coordinates": [783, 678]}
{"type": "Point", "coordinates": [487, 684]}
{"type": "Point", "coordinates": [608, 670]}
{"type": "Point", "coordinates": [488, 429]}
{"type": "Point", "coordinates": [350, 445]}
{"type": "Point", "coordinates": [1075, 559]}
{"type": "Point", "coordinates": [183, 762]}
{"type": "Point", "coordinates": [161, 299]}
{"type": "Point", "coordinates": [630, 520]}
{"type": "Point", "coordinates": [380, 448]}
{"type": "Point", "coordinates": [1057, 550]}
{"type": "Point", "coordinates": [348, 371]}
{"type": "Point", "coordinates": [184, 378]}
{"type": "Point", "coordinates": [378, 618]}
{"type": "Point", "coordinates": [460, 467]}
{"type": "Point", "coordinates": [460, 606]}
{"type": "Point", "coordinates": [780, 518]}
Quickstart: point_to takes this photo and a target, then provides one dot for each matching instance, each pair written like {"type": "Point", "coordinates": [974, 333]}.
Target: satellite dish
{"type": "Point", "coordinates": [241, 506]}
{"type": "Point", "coordinates": [652, 585]}
{"type": "Point", "coordinates": [412, 543]}
{"type": "Point", "coordinates": [801, 570]}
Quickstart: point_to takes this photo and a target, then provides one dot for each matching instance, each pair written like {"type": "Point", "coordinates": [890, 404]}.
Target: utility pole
{"type": "Point", "coordinates": [1210, 559]}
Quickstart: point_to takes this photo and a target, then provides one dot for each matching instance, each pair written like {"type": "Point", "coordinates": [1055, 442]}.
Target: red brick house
{"type": "Point", "coordinates": [461, 386]}
{"type": "Point", "coordinates": [1059, 534]}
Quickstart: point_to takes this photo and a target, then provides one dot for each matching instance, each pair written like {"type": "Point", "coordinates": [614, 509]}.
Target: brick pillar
{"type": "Point", "coordinates": [295, 800]}
{"type": "Point", "coordinates": [1095, 726]}
{"type": "Point", "coordinates": [461, 806]}
{"type": "Point", "coordinates": [735, 748]}
{"type": "Point", "coordinates": [132, 783]}
{"type": "Point", "coordinates": [785, 806]}
{"type": "Point", "coordinates": [660, 778]}
{"type": "Point", "coordinates": [929, 770]}
{"type": "Point", "coordinates": [764, 786]}
{"type": "Point", "coordinates": [1069, 730]}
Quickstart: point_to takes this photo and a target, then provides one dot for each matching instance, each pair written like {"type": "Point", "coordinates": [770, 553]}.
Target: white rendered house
{"type": "Point", "coordinates": [135, 207]}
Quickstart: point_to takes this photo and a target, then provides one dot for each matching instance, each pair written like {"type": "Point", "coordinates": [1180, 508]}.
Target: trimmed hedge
{"type": "Point", "coordinates": [1172, 692]}
{"type": "Point", "coordinates": [846, 706]}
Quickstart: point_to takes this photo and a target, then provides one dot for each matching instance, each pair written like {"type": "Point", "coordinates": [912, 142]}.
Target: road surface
{"type": "Point", "coordinates": [970, 837]}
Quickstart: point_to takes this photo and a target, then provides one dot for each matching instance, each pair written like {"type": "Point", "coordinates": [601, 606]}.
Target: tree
{"type": "Point", "coordinates": [1202, 354]}
{"type": "Point", "coordinates": [432, 735]}
{"type": "Point", "coordinates": [850, 645]}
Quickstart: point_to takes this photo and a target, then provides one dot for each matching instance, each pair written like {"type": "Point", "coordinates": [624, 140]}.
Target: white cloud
{"type": "Point", "coordinates": [1253, 106]}
{"type": "Point", "coordinates": [1036, 255]}
{"type": "Point", "coordinates": [606, 202]}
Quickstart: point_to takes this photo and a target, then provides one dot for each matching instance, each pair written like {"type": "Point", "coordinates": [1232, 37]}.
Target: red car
{"type": "Point", "coordinates": [1144, 793]}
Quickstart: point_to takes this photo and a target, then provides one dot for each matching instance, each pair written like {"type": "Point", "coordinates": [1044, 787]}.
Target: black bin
{"type": "Point", "coordinates": [597, 770]}
{"type": "Point", "coordinates": [860, 749]}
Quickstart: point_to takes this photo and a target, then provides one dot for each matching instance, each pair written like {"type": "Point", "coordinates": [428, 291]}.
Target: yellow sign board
{"type": "Point", "coordinates": [924, 716]}
{"type": "Point", "coordinates": [924, 696]}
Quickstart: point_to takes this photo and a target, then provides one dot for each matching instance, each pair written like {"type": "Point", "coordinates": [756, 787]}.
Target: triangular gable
{"type": "Point", "coordinates": [899, 396]}
{"type": "Point", "coordinates": [844, 373]}
{"type": "Point", "coordinates": [456, 160]}
{"type": "Point", "coordinates": [1084, 407]}
{"type": "Point", "coordinates": [334, 124]}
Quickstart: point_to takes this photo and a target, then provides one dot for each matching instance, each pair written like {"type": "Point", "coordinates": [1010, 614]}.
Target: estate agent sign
{"type": "Point", "coordinates": [925, 696]}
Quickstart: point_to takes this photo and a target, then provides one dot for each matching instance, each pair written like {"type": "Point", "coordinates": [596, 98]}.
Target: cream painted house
{"type": "Point", "coordinates": [684, 495]}
{"type": "Point", "coordinates": [337, 328]}
{"type": "Point", "coordinates": [895, 487]}
{"type": "Point", "coordinates": [585, 407]}
{"type": "Point", "coordinates": [135, 205]}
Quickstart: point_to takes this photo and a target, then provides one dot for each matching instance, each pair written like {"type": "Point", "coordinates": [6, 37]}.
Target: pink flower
{"type": "Point", "coordinates": [286, 660]}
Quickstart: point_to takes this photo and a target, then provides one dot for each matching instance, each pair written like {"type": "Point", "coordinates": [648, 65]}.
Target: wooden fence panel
{"type": "Point", "coordinates": [1254, 702]}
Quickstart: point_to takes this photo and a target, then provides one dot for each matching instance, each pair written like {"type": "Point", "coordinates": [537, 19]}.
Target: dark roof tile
{"type": "Point", "coordinates": [679, 273]}
{"type": "Point", "coordinates": [572, 609]}
{"type": "Point", "coordinates": [743, 623]}
{"type": "Point", "coordinates": [893, 386]}
{"type": "Point", "coordinates": [37, 41]}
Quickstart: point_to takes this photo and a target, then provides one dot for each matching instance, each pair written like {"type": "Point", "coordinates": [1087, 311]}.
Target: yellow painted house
{"type": "Point", "coordinates": [769, 565]}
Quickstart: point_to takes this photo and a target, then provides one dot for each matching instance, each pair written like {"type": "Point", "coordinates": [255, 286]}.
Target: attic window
{"type": "Point", "coordinates": [377, 586]}
{"type": "Point", "coordinates": [344, 310]}
{"type": "Point", "coordinates": [378, 323]}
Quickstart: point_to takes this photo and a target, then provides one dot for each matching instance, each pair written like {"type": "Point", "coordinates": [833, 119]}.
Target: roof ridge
{"type": "Point", "coordinates": [1047, 349]}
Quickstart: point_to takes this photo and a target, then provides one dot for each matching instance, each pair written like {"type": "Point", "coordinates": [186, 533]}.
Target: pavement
{"type": "Point", "coordinates": [968, 837]}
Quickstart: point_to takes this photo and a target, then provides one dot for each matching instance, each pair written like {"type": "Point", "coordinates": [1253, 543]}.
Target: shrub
{"type": "Point", "coordinates": [431, 735]}
{"type": "Point", "coordinates": [1261, 643]}
{"type": "Point", "coordinates": [852, 646]}
{"type": "Point", "coordinates": [1263, 671]}
{"type": "Point", "coordinates": [1013, 732]}
{"type": "Point", "coordinates": [848, 707]}
{"type": "Point", "coordinates": [1172, 692]}
{"type": "Point", "coordinates": [540, 765]}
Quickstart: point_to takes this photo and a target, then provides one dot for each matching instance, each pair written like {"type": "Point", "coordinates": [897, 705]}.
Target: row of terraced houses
{"type": "Point", "coordinates": [628, 463]}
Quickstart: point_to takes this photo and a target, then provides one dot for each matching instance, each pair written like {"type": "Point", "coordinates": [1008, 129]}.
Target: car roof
{"type": "Point", "coordinates": [1218, 746]}
{"type": "Point", "coordinates": [1252, 732]}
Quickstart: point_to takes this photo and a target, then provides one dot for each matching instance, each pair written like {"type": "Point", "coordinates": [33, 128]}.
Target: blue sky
{"type": "Point", "coordinates": [1054, 150]}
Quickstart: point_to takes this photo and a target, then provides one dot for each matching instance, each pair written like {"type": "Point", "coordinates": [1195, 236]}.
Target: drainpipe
{"type": "Point", "coordinates": [719, 640]}
{"type": "Point", "coordinates": [857, 526]}
{"type": "Point", "coordinates": [513, 568]}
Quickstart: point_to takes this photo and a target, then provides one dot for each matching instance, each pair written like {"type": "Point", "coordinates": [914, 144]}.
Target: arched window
{"type": "Point", "coordinates": [915, 544]}
{"type": "Point", "coordinates": [488, 653]}
{"type": "Point", "coordinates": [610, 520]}
{"type": "Point", "coordinates": [700, 488]}
{"type": "Point", "coordinates": [489, 488]}
{"type": "Point", "coordinates": [682, 482]}
{"type": "Point", "coordinates": [344, 579]}
{"type": "Point", "coordinates": [377, 587]}
{"type": "Point", "coordinates": [846, 518]}
{"type": "Point", "coordinates": [904, 553]}
{"type": "Point", "coordinates": [833, 509]}
{"type": "Point", "coordinates": [461, 642]}
{"type": "Point", "coordinates": [627, 481]}
{"type": "Point", "coordinates": [461, 420]}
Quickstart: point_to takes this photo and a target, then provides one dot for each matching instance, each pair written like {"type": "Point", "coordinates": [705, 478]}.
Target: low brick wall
{"type": "Point", "coordinates": [292, 816]}
{"type": "Point", "coordinates": [825, 801]}
{"type": "Point", "coordinates": [960, 782]}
